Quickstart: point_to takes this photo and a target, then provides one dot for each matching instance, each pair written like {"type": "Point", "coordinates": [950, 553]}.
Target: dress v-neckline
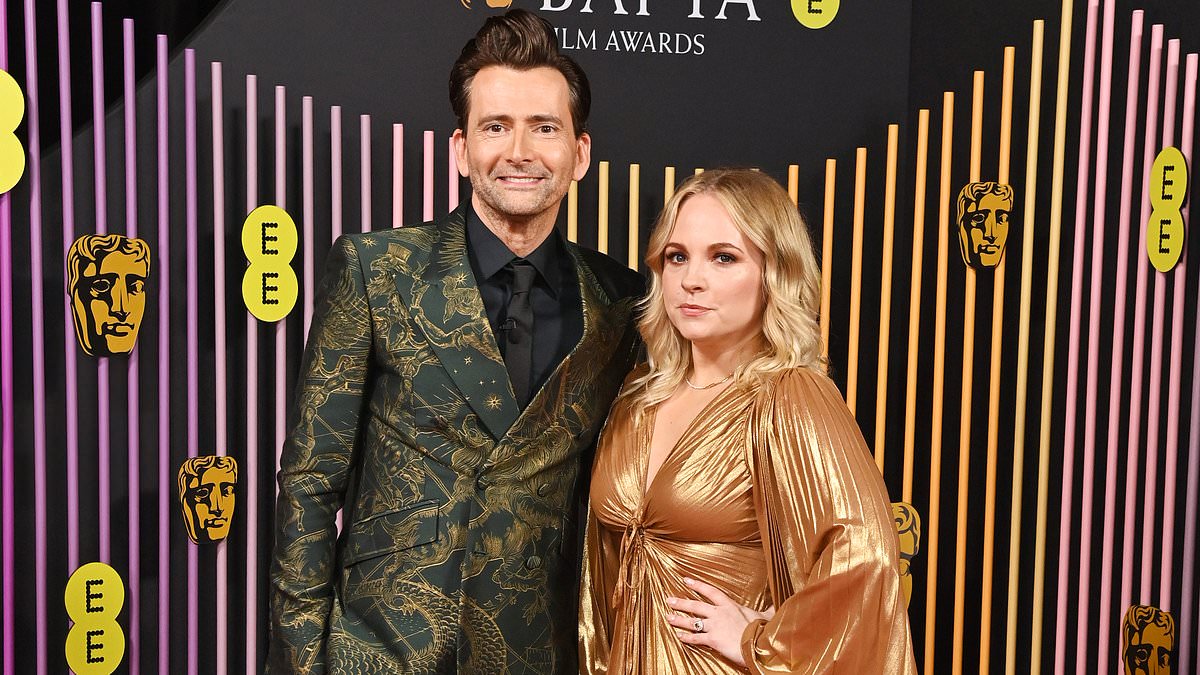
{"type": "Point", "coordinates": [648, 430]}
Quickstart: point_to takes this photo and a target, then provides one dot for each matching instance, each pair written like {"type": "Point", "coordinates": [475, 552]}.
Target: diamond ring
{"type": "Point", "coordinates": [698, 625]}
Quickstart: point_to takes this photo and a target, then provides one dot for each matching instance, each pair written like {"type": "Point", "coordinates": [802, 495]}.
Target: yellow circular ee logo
{"type": "Point", "coordinates": [815, 14]}
{"type": "Point", "coordinates": [94, 597]}
{"type": "Point", "coordinates": [270, 240]}
{"type": "Point", "coordinates": [1168, 190]}
{"type": "Point", "coordinates": [12, 153]}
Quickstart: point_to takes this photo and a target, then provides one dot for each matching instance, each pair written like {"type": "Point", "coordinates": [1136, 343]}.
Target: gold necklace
{"type": "Point", "coordinates": [723, 380]}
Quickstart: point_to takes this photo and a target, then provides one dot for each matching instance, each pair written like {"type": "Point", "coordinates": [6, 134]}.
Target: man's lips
{"type": "Point", "coordinates": [520, 180]}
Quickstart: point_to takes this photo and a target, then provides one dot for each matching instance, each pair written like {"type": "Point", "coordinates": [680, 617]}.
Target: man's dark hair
{"type": "Point", "coordinates": [521, 40]}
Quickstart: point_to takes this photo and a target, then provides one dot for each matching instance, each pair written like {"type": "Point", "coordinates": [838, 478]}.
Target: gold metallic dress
{"type": "Point", "coordinates": [771, 496]}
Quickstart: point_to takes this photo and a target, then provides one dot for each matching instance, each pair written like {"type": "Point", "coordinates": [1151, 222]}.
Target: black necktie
{"type": "Point", "coordinates": [518, 350]}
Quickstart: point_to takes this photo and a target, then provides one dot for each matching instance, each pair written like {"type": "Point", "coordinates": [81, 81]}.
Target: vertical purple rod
{"type": "Point", "coordinates": [397, 175]}
{"type": "Point", "coordinates": [132, 412]}
{"type": "Point", "coordinates": [306, 123]}
{"type": "Point", "coordinates": [103, 440]}
{"type": "Point", "coordinates": [163, 278]}
{"type": "Point", "coordinates": [1072, 405]}
{"type": "Point", "coordinates": [1100, 194]}
{"type": "Point", "coordinates": [1156, 339]}
{"type": "Point", "coordinates": [1187, 615]}
{"type": "Point", "coordinates": [221, 367]}
{"type": "Point", "coordinates": [427, 177]}
{"type": "Point", "coordinates": [1133, 442]}
{"type": "Point", "coordinates": [71, 390]}
{"type": "Point", "coordinates": [451, 176]}
{"type": "Point", "coordinates": [364, 125]}
{"type": "Point", "coordinates": [6, 398]}
{"type": "Point", "coordinates": [252, 665]}
{"type": "Point", "coordinates": [38, 293]}
{"type": "Point", "coordinates": [193, 328]}
{"type": "Point", "coordinates": [281, 325]}
{"type": "Point", "coordinates": [335, 163]}
{"type": "Point", "coordinates": [1174, 386]}
{"type": "Point", "coordinates": [1116, 369]}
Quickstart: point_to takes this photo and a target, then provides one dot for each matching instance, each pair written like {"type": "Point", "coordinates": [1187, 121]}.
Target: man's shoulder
{"type": "Point", "coordinates": [416, 237]}
{"type": "Point", "coordinates": [616, 279]}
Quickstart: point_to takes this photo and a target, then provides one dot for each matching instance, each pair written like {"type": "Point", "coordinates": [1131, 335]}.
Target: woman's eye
{"type": "Point", "coordinates": [675, 257]}
{"type": "Point", "coordinates": [725, 258]}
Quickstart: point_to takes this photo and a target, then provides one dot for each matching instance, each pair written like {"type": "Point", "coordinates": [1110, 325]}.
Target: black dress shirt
{"type": "Point", "coordinates": [557, 307]}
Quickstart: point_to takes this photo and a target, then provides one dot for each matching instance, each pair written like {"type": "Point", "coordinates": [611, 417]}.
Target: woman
{"type": "Point", "coordinates": [738, 522]}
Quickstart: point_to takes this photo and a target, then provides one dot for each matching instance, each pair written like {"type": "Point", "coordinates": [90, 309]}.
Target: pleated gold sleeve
{"type": "Point", "coordinates": [829, 537]}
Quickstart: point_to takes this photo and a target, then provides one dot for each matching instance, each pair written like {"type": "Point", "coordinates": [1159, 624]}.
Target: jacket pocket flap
{"type": "Point", "coordinates": [393, 531]}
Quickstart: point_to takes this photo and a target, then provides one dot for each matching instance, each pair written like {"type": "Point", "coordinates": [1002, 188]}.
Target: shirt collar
{"type": "Point", "coordinates": [491, 255]}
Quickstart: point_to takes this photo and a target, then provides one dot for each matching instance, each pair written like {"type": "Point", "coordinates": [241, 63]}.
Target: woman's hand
{"type": "Point", "coordinates": [723, 621]}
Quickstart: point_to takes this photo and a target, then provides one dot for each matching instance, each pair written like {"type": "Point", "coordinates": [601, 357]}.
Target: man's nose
{"type": "Point", "coordinates": [519, 148]}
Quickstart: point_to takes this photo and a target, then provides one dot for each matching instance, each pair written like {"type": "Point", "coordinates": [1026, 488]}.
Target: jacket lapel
{"type": "Point", "coordinates": [446, 305]}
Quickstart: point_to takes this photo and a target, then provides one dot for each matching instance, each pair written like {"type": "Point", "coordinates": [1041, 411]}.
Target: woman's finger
{"type": "Point", "coordinates": [702, 609]}
{"type": "Point", "coordinates": [712, 593]}
{"type": "Point", "coordinates": [683, 622]}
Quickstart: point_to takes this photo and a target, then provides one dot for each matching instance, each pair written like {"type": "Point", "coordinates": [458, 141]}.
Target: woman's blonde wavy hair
{"type": "Point", "coordinates": [791, 335]}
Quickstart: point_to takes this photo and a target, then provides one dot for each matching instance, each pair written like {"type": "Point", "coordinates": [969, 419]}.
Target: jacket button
{"type": "Point", "coordinates": [533, 562]}
{"type": "Point", "coordinates": [543, 489]}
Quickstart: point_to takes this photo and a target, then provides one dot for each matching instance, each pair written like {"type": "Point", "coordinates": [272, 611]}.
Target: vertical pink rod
{"type": "Point", "coordinates": [162, 277]}
{"type": "Point", "coordinates": [38, 330]}
{"type": "Point", "coordinates": [306, 132]}
{"type": "Point", "coordinates": [364, 169]}
{"type": "Point", "coordinates": [1187, 609]}
{"type": "Point", "coordinates": [103, 440]}
{"type": "Point", "coordinates": [71, 390]}
{"type": "Point", "coordinates": [133, 404]}
{"type": "Point", "coordinates": [252, 590]}
{"type": "Point", "coordinates": [1133, 442]}
{"type": "Point", "coordinates": [1174, 385]}
{"type": "Point", "coordinates": [219, 346]}
{"type": "Point", "coordinates": [451, 177]}
{"type": "Point", "coordinates": [335, 161]}
{"type": "Point", "coordinates": [1083, 645]}
{"type": "Point", "coordinates": [397, 175]}
{"type": "Point", "coordinates": [1064, 532]}
{"type": "Point", "coordinates": [7, 449]}
{"type": "Point", "coordinates": [427, 213]}
{"type": "Point", "coordinates": [1156, 339]}
{"type": "Point", "coordinates": [281, 396]}
{"type": "Point", "coordinates": [193, 329]}
{"type": "Point", "coordinates": [1118, 347]}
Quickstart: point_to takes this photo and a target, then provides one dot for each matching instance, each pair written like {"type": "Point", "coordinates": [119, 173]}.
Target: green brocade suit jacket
{"type": "Point", "coordinates": [459, 547]}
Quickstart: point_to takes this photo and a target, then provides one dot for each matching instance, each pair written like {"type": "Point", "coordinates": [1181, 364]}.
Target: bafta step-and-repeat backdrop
{"type": "Point", "coordinates": [1000, 198]}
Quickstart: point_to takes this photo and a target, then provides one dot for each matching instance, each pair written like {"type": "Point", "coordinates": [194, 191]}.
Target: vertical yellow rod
{"type": "Point", "coordinates": [964, 420]}
{"type": "Point", "coordinates": [914, 301]}
{"type": "Point", "coordinates": [668, 183]}
{"type": "Point", "coordinates": [1056, 199]}
{"type": "Point", "coordinates": [885, 299]}
{"type": "Point", "coordinates": [1030, 198]}
{"type": "Point", "coordinates": [573, 212]}
{"type": "Point", "coordinates": [699, 171]}
{"type": "Point", "coordinates": [635, 175]}
{"type": "Point", "coordinates": [794, 183]}
{"type": "Point", "coordinates": [989, 500]}
{"type": "Point", "coordinates": [860, 198]}
{"type": "Point", "coordinates": [827, 254]}
{"type": "Point", "coordinates": [602, 211]}
{"type": "Point", "coordinates": [939, 380]}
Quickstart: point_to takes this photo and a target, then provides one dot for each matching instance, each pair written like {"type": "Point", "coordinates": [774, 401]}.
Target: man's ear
{"type": "Point", "coordinates": [460, 153]}
{"type": "Point", "coordinates": [583, 155]}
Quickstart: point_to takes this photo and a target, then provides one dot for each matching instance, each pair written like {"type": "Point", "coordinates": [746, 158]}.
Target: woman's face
{"type": "Point", "coordinates": [712, 278]}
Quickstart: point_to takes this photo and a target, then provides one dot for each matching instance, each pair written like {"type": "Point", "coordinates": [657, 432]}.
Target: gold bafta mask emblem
{"type": "Point", "coordinates": [106, 278]}
{"type": "Point", "coordinates": [908, 528]}
{"type": "Point", "coordinates": [983, 211]}
{"type": "Point", "coordinates": [207, 496]}
{"type": "Point", "coordinates": [1149, 641]}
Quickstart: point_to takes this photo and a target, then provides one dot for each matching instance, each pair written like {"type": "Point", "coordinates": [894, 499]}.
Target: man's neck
{"type": "Point", "coordinates": [521, 235]}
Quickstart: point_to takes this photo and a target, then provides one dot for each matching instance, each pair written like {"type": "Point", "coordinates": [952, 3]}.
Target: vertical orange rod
{"type": "Point", "coordinates": [793, 186]}
{"type": "Point", "coordinates": [602, 211]}
{"type": "Point", "coordinates": [914, 301]}
{"type": "Point", "coordinates": [885, 300]}
{"type": "Point", "coordinates": [668, 183]}
{"type": "Point", "coordinates": [860, 198]}
{"type": "Point", "coordinates": [827, 254]}
{"type": "Point", "coordinates": [573, 212]}
{"type": "Point", "coordinates": [939, 380]}
{"type": "Point", "coordinates": [631, 255]}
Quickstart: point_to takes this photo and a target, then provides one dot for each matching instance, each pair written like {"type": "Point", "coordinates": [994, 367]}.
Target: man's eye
{"type": "Point", "coordinates": [547, 129]}
{"type": "Point", "coordinates": [494, 128]}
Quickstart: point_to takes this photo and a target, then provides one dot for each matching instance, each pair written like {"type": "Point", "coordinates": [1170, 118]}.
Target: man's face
{"type": "Point", "coordinates": [111, 296]}
{"type": "Point", "coordinates": [983, 229]}
{"type": "Point", "coordinates": [519, 148]}
{"type": "Point", "coordinates": [1151, 654]}
{"type": "Point", "coordinates": [210, 500]}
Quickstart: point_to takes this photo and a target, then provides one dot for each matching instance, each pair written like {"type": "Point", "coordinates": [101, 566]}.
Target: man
{"type": "Point", "coordinates": [206, 495]}
{"type": "Point", "coordinates": [983, 211]}
{"type": "Point", "coordinates": [456, 377]}
{"type": "Point", "coordinates": [106, 277]}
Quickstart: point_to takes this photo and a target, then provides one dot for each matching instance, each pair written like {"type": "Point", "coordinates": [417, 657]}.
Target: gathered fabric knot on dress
{"type": "Point", "coordinates": [633, 565]}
